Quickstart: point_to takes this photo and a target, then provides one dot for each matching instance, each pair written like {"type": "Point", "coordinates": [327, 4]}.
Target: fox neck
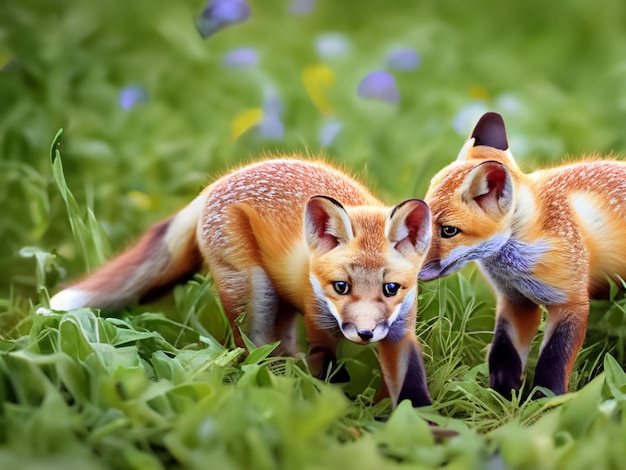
{"type": "Point", "coordinates": [524, 216]}
{"type": "Point", "coordinates": [511, 272]}
{"type": "Point", "coordinates": [511, 267]}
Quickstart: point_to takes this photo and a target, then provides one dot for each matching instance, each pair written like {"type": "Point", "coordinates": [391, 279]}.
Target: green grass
{"type": "Point", "coordinates": [161, 385]}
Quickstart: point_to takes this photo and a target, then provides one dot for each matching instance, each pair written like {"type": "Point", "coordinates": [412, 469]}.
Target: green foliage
{"type": "Point", "coordinates": [161, 385]}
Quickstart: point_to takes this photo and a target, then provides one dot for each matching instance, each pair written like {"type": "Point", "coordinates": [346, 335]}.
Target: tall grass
{"type": "Point", "coordinates": [162, 385]}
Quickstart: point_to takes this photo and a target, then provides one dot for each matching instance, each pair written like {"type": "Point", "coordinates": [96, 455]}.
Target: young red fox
{"type": "Point", "coordinates": [552, 237]}
{"type": "Point", "coordinates": [278, 241]}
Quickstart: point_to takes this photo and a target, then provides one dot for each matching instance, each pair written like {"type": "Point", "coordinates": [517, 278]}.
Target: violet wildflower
{"type": "Point", "coordinates": [329, 132]}
{"type": "Point", "coordinates": [301, 7]}
{"type": "Point", "coordinates": [218, 14]}
{"type": "Point", "coordinates": [271, 126]}
{"type": "Point", "coordinates": [379, 85]}
{"type": "Point", "coordinates": [241, 58]}
{"type": "Point", "coordinates": [131, 95]}
{"type": "Point", "coordinates": [403, 59]}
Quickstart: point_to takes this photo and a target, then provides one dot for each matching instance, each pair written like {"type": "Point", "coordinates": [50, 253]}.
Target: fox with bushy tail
{"type": "Point", "coordinates": [553, 237]}
{"type": "Point", "coordinates": [285, 236]}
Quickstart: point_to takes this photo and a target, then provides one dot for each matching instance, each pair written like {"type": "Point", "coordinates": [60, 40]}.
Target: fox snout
{"type": "Point", "coordinates": [364, 334]}
{"type": "Point", "coordinates": [431, 270]}
{"type": "Point", "coordinates": [368, 322]}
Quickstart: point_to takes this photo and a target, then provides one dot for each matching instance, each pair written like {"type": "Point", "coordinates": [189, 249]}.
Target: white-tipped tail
{"type": "Point", "coordinates": [165, 254]}
{"type": "Point", "coordinates": [68, 299]}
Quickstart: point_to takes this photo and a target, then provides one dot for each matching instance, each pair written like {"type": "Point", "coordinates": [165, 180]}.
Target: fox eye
{"type": "Point", "coordinates": [390, 289]}
{"type": "Point", "coordinates": [341, 287]}
{"type": "Point", "coordinates": [448, 231]}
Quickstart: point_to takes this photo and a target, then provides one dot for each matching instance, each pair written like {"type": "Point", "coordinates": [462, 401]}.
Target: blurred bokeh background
{"type": "Point", "coordinates": [152, 110]}
{"type": "Point", "coordinates": [156, 98]}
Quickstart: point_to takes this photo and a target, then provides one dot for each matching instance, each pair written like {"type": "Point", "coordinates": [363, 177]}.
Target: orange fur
{"type": "Point", "coordinates": [551, 237]}
{"type": "Point", "coordinates": [285, 236]}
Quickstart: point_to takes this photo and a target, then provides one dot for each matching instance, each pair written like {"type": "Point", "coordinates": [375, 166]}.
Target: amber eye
{"type": "Point", "coordinates": [341, 287]}
{"type": "Point", "coordinates": [390, 289]}
{"type": "Point", "coordinates": [448, 231]}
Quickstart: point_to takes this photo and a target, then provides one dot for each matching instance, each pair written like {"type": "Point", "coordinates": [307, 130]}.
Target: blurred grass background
{"type": "Point", "coordinates": [555, 70]}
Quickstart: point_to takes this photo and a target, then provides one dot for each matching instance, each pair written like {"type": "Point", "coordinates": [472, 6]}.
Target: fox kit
{"type": "Point", "coordinates": [287, 236]}
{"type": "Point", "coordinates": [553, 237]}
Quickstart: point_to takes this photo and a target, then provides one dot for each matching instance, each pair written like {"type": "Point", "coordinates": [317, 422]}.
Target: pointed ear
{"type": "Point", "coordinates": [490, 186]}
{"type": "Point", "coordinates": [408, 227]}
{"type": "Point", "coordinates": [326, 224]}
{"type": "Point", "coordinates": [490, 131]}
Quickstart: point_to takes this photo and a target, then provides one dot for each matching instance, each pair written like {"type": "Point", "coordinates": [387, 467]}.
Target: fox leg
{"type": "Point", "coordinates": [403, 369]}
{"type": "Point", "coordinates": [286, 330]}
{"type": "Point", "coordinates": [565, 331]}
{"type": "Point", "coordinates": [234, 290]}
{"type": "Point", "coordinates": [249, 295]}
{"type": "Point", "coordinates": [245, 289]}
{"type": "Point", "coordinates": [272, 319]}
{"type": "Point", "coordinates": [401, 362]}
{"type": "Point", "coordinates": [322, 346]}
{"type": "Point", "coordinates": [517, 323]}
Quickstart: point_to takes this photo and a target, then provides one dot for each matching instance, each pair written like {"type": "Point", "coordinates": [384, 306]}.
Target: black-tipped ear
{"type": "Point", "coordinates": [490, 131]}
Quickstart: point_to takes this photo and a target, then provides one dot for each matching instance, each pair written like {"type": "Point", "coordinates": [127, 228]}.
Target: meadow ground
{"type": "Point", "coordinates": [151, 111]}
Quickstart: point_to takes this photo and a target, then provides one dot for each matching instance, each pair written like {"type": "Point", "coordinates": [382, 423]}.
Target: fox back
{"type": "Point", "coordinates": [551, 237]}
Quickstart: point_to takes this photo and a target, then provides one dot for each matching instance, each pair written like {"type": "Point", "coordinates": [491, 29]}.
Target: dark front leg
{"type": "Point", "coordinates": [505, 364]}
{"type": "Point", "coordinates": [403, 370]}
{"type": "Point", "coordinates": [323, 363]}
{"type": "Point", "coordinates": [516, 326]}
{"type": "Point", "coordinates": [414, 387]}
{"type": "Point", "coordinates": [322, 356]}
{"type": "Point", "coordinates": [552, 364]}
{"type": "Point", "coordinates": [565, 332]}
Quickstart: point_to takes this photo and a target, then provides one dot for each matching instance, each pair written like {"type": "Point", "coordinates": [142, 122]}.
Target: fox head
{"type": "Point", "coordinates": [363, 266]}
{"type": "Point", "coordinates": [472, 201]}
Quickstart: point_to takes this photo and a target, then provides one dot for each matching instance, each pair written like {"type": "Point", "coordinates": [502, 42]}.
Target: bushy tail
{"type": "Point", "coordinates": [165, 254]}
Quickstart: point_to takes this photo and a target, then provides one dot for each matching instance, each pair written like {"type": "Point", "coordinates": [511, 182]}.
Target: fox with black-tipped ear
{"type": "Point", "coordinates": [553, 237]}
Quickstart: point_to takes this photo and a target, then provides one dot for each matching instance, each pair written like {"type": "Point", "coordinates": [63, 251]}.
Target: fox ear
{"type": "Point", "coordinates": [489, 131]}
{"type": "Point", "coordinates": [490, 186]}
{"type": "Point", "coordinates": [408, 227]}
{"type": "Point", "coordinates": [326, 224]}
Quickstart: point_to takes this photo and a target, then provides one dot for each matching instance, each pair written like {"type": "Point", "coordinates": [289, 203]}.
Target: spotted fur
{"type": "Point", "coordinates": [276, 236]}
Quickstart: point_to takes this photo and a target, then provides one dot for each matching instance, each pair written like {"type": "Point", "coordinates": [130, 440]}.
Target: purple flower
{"type": "Point", "coordinates": [241, 58]}
{"type": "Point", "coordinates": [272, 104]}
{"type": "Point", "coordinates": [329, 132]}
{"type": "Point", "coordinates": [301, 7]}
{"type": "Point", "coordinates": [403, 59]}
{"type": "Point", "coordinates": [218, 14]}
{"type": "Point", "coordinates": [331, 45]}
{"type": "Point", "coordinates": [271, 127]}
{"type": "Point", "coordinates": [379, 85]}
{"type": "Point", "coordinates": [131, 95]}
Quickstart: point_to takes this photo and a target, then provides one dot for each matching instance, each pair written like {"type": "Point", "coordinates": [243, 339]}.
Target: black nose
{"type": "Point", "coordinates": [365, 335]}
